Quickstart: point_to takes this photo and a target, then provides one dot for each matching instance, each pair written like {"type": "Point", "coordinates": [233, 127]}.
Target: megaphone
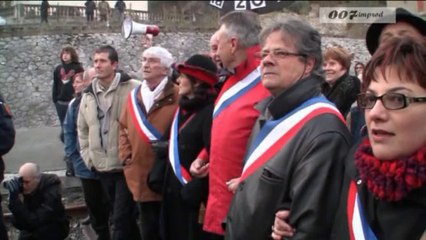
{"type": "Point", "coordinates": [130, 27]}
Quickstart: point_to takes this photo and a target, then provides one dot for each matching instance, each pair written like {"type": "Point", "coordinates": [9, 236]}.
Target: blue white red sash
{"type": "Point", "coordinates": [275, 134]}
{"type": "Point", "coordinates": [236, 91]}
{"type": "Point", "coordinates": [358, 225]}
{"type": "Point", "coordinates": [143, 126]}
{"type": "Point", "coordinates": [181, 173]}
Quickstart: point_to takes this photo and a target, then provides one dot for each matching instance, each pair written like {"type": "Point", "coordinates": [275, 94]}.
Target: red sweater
{"type": "Point", "coordinates": [229, 136]}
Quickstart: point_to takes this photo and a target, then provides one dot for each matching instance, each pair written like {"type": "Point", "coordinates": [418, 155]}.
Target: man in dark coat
{"type": "Point", "coordinates": [44, 10]}
{"type": "Point", "coordinates": [41, 214]}
{"type": "Point", "coordinates": [294, 158]}
{"type": "Point", "coordinates": [90, 10]}
{"type": "Point", "coordinates": [7, 140]}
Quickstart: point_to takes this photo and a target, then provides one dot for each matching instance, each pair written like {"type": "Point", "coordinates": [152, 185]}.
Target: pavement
{"type": "Point", "coordinates": [41, 146]}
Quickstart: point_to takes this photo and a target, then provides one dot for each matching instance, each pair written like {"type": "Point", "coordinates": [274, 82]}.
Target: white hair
{"type": "Point", "coordinates": [30, 168]}
{"type": "Point", "coordinates": [166, 58]}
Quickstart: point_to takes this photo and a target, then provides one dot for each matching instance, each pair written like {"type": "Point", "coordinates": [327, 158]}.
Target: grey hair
{"type": "Point", "coordinates": [166, 58]}
{"type": "Point", "coordinates": [243, 24]}
{"type": "Point", "coordinates": [306, 39]}
{"type": "Point", "coordinates": [34, 169]}
{"type": "Point", "coordinates": [86, 73]}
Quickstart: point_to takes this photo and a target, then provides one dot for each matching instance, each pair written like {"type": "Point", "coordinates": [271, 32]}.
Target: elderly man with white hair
{"type": "Point", "coordinates": [147, 114]}
{"type": "Point", "coordinates": [38, 213]}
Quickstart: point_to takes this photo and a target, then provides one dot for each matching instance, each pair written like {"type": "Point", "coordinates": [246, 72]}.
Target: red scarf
{"type": "Point", "coordinates": [390, 180]}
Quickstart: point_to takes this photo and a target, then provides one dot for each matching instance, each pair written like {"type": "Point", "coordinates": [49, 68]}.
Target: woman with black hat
{"type": "Point", "coordinates": [189, 135]}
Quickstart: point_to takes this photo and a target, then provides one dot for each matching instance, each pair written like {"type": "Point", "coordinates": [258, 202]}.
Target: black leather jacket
{"type": "Point", "coordinates": [305, 176]}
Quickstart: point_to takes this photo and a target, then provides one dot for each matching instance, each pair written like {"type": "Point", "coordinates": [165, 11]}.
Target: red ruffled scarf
{"type": "Point", "coordinates": [390, 180]}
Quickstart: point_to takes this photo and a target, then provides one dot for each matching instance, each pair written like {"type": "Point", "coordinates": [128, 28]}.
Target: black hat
{"type": "Point", "coordinates": [402, 15]}
{"type": "Point", "coordinates": [200, 67]}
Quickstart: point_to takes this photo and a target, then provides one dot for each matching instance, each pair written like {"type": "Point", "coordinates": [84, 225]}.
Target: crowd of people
{"type": "Point", "coordinates": [266, 137]}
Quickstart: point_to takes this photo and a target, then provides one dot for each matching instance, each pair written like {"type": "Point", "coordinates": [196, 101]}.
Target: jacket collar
{"type": "Point", "coordinates": [123, 78]}
{"type": "Point", "coordinates": [169, 96]}
{"type": "Point", "coordinates": [291, 98]}
{"type": "Point", "coordinates": [248, 65]}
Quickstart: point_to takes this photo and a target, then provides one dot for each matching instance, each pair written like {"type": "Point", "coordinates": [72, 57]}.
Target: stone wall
{"type": "Point", "coordinates": [27, 63]}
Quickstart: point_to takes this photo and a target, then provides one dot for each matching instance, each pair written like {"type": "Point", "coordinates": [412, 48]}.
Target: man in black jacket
{"type": "Point", "coordinates": [36, 205]}
{"type": "Point", "coordinates": [7, 140]}
{"type": "Point", "coordinates": [297, 146]}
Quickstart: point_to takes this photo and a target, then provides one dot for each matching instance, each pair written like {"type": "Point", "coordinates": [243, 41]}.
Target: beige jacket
{"type": "Point", "coordinates": [94, 154]}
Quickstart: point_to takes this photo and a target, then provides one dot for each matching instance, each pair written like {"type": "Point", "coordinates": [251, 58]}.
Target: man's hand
{"type": "Point", "coordinates": [233, 184]}
{"type": "Point", "coordinates": [281, 228]}
{"type": "Point", "coordinates": [199, 168]}
{"type": "Point", "coordinates": [13, 187]}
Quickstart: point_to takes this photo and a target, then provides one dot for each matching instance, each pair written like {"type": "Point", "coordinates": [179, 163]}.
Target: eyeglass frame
{"type": "Point", "coordinates": [276, 54]}
{"type": "Point", "coordinates": [406, 100]}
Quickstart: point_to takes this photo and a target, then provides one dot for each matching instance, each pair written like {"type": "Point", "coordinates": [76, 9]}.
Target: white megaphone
{"type": "Point", "coordinates": [130, 27]}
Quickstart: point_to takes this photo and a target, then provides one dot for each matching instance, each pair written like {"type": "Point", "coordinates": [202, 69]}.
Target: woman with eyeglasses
{"type": "Point", "coordinates": [384, 194]}
{"type": "Point", "coordinates": [384, 190]}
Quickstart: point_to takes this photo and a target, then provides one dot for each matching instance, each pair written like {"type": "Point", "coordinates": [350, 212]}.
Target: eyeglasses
{"type": "Point", "coordinates": [391, 101]}
{"type": "Point", "coordinates": [277, 54]}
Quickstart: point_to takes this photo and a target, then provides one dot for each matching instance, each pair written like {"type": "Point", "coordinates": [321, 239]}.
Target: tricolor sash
{"type": "Point", "coordinates": [236, 91]}
{"type": "Point", "coordinates": [358, 225]}
{"type": "Point", "coordinates": [181, 173]}
{"type": "Point", "coordinates": [275, 134]}
{"type": "Point", "coordinates": [143, 126]}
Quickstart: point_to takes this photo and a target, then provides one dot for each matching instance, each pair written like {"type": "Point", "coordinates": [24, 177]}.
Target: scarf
{"type": "Point", "coordinates": [149, 96]}
{"type": "Point", "coordinates": [390, 180]}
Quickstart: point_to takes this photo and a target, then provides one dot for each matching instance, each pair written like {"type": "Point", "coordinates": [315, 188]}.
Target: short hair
{"type": "Point", "coordinates": [357, 64]}
{"type": "Point", "coordinates": [306, 39]}
{"type": "Point", "coordinates": [405, 54]}
{"type": "Point", "coordinates": [33, 168]}
{"type": "Point", "coordinates": [112, 53]}
{"type": "Point", "coordinates": [243, 24]}
{"type": "Point", "coordinates": [166, 58]}
{"type": "Point", "coordinates": [72, 52]}
{"type": "Point", "coordinates": [340, 54]}
{"type": "Point", "coordinates": [86, 73]}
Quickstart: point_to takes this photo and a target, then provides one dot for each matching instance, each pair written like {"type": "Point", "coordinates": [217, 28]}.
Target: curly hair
{"type": "Point", "coordinates": [72, 52]}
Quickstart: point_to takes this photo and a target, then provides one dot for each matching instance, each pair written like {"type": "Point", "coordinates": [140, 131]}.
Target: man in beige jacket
{"type": "Point", "coordinates": [97, 124]}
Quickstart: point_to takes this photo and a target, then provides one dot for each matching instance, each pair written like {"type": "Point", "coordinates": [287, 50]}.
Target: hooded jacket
{"type": "Point", "coordinates": [92, 149]}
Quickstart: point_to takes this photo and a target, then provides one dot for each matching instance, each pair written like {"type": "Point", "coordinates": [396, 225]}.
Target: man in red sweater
{"type": "Point", "coordinates": [234, 113]}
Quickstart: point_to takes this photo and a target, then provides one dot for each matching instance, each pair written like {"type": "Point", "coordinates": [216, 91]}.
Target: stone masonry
{"type": "Point", "coordinates": [27, 64]}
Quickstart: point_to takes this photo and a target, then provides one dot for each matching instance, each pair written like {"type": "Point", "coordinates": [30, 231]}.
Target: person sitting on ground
{"type": "Point", "coordinates": [35, 202]}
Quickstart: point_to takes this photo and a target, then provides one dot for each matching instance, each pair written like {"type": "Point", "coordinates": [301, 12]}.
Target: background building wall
{"type": "Point", "coordinates": [135, 5]}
